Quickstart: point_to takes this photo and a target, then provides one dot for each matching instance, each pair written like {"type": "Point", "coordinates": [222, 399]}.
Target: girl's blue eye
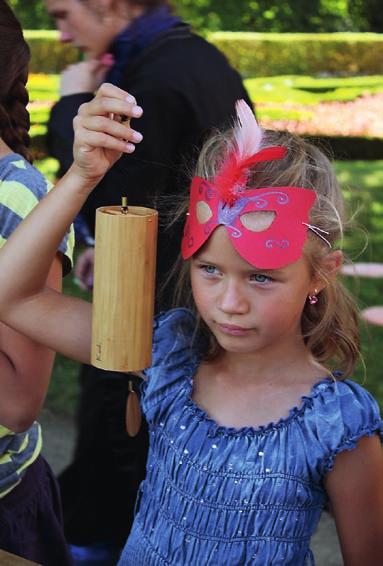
{"type": "Point", "coordinates": [210, 269]}
{"type": "Point", "coordinates": [259, 278]}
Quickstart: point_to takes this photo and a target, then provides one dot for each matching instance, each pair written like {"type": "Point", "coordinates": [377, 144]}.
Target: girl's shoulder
{"type": "Point", "coordinates": [22, 186]}
{"type": "Point", "coordinates": [174, 338]}
{"type": "Point", "coordinates": [19, 173]}
{"type": "Point", "coordinates": [346, 398]}
{"type": "Point", "coordinates": [175, 325]}
{"type": "Point", "coordinates": [175, 353]}
{"type": "Point", "coordinates": [342, 412]}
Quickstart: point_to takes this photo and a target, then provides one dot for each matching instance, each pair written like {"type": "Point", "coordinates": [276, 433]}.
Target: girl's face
{"type": "Point", "coordinates": [82, 24]}
{"type": "Point", "coordinates": [248, 310]}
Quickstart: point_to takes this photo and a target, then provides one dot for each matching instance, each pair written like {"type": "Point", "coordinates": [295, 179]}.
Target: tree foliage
{"type": "Point", "coordinates": [251, 15]}
{"type": "Point", "coordinates": [283, 15]}
{"type": "Point", "coordinates": [32, 14]}
{"type": "Point", "coordinates": [368, 13]}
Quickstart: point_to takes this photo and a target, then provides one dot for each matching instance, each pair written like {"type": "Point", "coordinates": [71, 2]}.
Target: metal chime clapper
{"type": "Point", "coordinates": [124, 205]}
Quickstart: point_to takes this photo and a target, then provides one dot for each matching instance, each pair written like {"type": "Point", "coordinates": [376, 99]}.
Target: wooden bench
{"type": "Point", "coordinates": [7, 559]}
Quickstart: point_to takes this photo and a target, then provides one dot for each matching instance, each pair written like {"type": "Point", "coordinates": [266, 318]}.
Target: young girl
{"type": "Point", "coordinates": [187, 88]}
{"type": "Point", "coordinates": [251, 433]}
{"type": "Point", "coordinates": [30, 513]}
{"type": "Point", "coordinates": [30, 510]}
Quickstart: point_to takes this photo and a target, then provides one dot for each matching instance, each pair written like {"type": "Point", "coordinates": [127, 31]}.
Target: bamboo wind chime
{"type": "Point", "coordinates": [123, 293]}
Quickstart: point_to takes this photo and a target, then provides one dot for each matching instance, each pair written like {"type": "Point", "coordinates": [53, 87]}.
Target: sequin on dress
{"type": "Point", "coordinates": [217, 496]}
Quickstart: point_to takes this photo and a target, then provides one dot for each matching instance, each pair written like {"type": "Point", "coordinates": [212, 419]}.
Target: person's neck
{"type": "Point", "coordinates": [4, 148]}
{"type": "Point", "coordinates": [122, 20]}
{"type": "Point", "coordinates": [271, 365]}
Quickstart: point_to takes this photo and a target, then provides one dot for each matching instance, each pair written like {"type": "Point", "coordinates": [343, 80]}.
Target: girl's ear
{"type": "Point", "coordinates": [330, 265]}
{"type": "Point", "coordinates": [332, 262]}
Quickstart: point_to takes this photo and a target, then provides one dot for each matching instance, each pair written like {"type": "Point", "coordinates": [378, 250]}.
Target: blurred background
{"type": "Point", "coordinates": [314, 68]}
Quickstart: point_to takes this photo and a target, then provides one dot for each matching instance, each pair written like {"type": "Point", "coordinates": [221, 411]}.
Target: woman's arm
{"type": "Point", "coordinates": [355, 489]}
{"type": "Point", "coordinates": [59, 322]}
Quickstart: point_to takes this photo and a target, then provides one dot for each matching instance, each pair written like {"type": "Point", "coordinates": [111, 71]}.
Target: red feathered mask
{"type": "Point", "coordinates": [225, 201]}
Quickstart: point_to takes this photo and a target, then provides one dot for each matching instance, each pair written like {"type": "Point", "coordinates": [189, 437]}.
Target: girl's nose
{"type": "Point", "coordinates": [233, 299]}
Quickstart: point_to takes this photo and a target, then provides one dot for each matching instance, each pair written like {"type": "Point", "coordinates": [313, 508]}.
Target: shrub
{"type": "Point", "coordinates": [253, 54]}
{"type": "Point", "coordinates": [43, 87]}
{"type": "Point", "coordinates": [267, 54]}
{"type": "Point", "coordinates": [48, 55]}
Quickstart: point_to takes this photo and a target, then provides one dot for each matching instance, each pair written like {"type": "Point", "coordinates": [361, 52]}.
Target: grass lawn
{"type": "Point", "coordinates": [302, 104]}
{"type": "Point", "coordinates": [362, 183]}
{"type": "Point", "coordinates": [311, 90]}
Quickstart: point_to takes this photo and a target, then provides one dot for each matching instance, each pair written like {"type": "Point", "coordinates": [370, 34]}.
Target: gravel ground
{"type": "Point", "coordinates": [59, 435]}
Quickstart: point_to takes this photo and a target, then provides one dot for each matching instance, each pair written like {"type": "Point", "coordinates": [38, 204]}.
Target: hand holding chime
{"type": "Point", "coordinates": [123, 292]}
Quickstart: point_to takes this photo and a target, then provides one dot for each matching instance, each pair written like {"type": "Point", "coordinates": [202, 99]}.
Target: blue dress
{"type": "Point", "coordinates": [234, 497]}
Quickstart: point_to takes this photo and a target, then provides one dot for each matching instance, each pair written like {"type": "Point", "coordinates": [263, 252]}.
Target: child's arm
{"type": "Point", "coordinates": [355, 489]}
{"type": "Point", "coordinates": [25, 369]}
{"type": "Point", "coordinates": [26, 304]}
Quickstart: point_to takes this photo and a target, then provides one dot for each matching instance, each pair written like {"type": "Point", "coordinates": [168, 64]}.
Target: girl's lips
{"type": "Point", "coordinates": [233, 330]}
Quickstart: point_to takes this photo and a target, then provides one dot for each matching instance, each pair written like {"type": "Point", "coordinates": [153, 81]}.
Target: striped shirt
{"type": "Point", "coordinates": [21, 188]}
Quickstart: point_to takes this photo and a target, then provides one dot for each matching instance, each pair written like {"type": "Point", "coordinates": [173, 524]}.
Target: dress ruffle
{"type": "Point", "coordinates": [249, 496]}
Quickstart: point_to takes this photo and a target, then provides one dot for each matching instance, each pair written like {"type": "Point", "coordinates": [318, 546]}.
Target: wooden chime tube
{"type": "Point", "coordinates": [124, 287]}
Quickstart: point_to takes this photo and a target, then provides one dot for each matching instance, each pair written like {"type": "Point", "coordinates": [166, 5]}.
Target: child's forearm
{"type": "Point", "coordinates": [26, 305]}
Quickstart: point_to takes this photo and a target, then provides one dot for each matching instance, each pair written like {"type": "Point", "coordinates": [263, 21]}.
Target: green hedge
{"type": "Point", "coordinates": [48, 54]}
{"type": "Point", "coordinates": [253, 54]}
{"type": "Point", "coordinates": [266, 54]}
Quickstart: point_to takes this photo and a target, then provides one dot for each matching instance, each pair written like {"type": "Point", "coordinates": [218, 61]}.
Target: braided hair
{"type": "Point", "coordinates": [14, 59]}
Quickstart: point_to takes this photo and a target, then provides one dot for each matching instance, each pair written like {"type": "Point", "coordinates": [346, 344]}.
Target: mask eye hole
{"type": "Point", "coordinates": [203, 212]}
{"type": "Point", "coordinates": [258, 221]}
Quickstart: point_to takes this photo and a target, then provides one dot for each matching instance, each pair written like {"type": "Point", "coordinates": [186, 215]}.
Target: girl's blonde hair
{"type": "Point", "coordinates": [330, 327]}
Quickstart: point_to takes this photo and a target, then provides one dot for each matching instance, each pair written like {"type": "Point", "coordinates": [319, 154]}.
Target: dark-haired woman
{"type": "Point", "coordinates": [186, 88]}
{"type": "Point", "coordinates": [30, 508]}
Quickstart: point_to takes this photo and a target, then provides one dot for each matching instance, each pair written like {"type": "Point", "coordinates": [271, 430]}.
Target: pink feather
{"type": "Point", "coordinates": [247, 132]}
{"type": "Point", "coordinates": [234, 170]}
